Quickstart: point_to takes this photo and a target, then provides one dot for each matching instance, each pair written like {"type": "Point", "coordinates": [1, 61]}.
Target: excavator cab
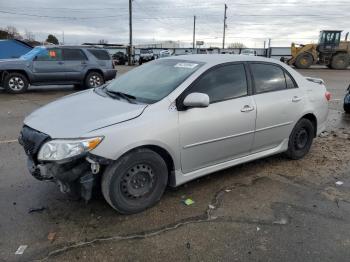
{"type": "Point", "coordinates": [328, 41]}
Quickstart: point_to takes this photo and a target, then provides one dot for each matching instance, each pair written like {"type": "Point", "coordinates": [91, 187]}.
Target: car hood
{"type": "Point", "coordinates": [80, 113]}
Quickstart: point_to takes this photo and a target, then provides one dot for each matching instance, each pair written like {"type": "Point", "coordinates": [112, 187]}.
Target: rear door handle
{"type": "Point", "coordinates": [247, 108]}
{"type": "Point", "coordinates": [296, 98]}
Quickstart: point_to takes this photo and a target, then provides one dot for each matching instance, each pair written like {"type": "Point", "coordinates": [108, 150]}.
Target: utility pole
{"type": "Point", "coordinates": [269, 51]}
{"type": "Point", "coordinates": [130, 34]}
{"type": "Point", "coordinates": [63, 37]}
{"type": "Point", "coordinates": [194, 33]}
{"type": "Point", "coordinates": [225, 25]}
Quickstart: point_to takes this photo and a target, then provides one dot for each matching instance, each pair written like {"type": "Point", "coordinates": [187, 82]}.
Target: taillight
{"type": "Point", "coordinates": [328, 95]}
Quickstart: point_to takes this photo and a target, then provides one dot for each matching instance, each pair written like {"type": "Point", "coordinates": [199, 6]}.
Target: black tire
{"type": "Point", "coordinates": [300, 140]}
{"type": "Point", "coordinates": [135, 182]}
{"type": "Point", "coordinates": [16, 83]}
{"type": "Point", "coordinates": [94, 79]}
{"type": "Point", "coordinates": [340, 61]}
{"type": "Point", "coordinates": [304, 61]}
{"type": "Point", "coordinates": [346, 108]}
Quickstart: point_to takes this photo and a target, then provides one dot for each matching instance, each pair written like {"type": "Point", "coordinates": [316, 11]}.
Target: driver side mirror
{"type": "Point", "coordinates": [196, 100]}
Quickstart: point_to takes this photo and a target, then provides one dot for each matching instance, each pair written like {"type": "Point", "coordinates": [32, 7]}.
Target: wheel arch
{"type": "Point", "coordinates": [93, 70]}
{"type": "Point", "coordinates": [313, 120]}
{"type": "Point", "coordinates": [4, 73]}
{"type": "Point", "coordinates": [167, 157]}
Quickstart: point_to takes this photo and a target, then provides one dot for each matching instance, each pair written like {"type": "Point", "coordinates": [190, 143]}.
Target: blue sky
{"type": "Point", "coordinates": [250, 22]}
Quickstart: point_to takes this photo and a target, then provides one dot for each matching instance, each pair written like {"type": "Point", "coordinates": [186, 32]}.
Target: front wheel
{"type": "Point", "coordinates": [135, 182]}
{"type": "Point", "coordinates": [300, 139]}
{"type": "Point", "coordinates": [304, 61]}
{"type": "Point", "coordinates": [93, 80]}
{"type": "Point", "coordinates": [16, 83]}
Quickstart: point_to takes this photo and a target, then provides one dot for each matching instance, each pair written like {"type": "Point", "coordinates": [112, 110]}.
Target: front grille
{"type": "Point", "coordinates": [31, 140]}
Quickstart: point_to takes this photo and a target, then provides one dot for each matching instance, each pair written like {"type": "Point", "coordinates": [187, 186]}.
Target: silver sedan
{"type": "Point", "coordinates": [170, 121]}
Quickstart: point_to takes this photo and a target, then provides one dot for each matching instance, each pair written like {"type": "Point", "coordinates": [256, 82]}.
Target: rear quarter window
{"type": "Point", "coordinates": [100, 54]}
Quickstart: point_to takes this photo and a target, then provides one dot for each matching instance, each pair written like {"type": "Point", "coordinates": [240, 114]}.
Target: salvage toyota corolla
{"type": "Point", "coordinates": [170, 121]}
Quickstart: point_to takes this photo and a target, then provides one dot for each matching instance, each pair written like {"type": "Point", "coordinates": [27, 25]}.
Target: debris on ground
{"type": "Point", "coordinates": [211, 206]}
{"type": "Point", "coordinates": [324, 134]}
{"type": "Point", "coordinates": [282, 221]}
{"type": "Point", "coordinates": [21, 249]}
{"type": "Point", "coordinates": [257, 228]}
{"type": "Point", "coordinates": [38, 209]}
{"type": "Point", "coordinates": [188, 202]}
{"type": "Point", "coordinates": [339, 183]}
{"type": "Point", "coordinates": [227, 190]}
{"type": "Point", "coordinates": [51, 236]}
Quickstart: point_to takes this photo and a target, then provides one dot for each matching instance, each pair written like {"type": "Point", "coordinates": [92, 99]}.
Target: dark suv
{"type": "Point", "coordinates": [84, 67]}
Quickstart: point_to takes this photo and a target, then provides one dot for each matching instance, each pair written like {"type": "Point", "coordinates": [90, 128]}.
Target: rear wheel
{"type": "Point", "coordinates": [94, 79]}
{"type": "Point", "coordinates": [16, 83]}
{"type": "Point", "coordinates": [304, 61]}
{"type": "Point", "coordinates": [347, 108]}
{"type": "Point", "coordinates": [340, 61]}
{"type": "Point", "coordinates": [135, 182]}
{"type": "Point", "coordinates": [300, 139]}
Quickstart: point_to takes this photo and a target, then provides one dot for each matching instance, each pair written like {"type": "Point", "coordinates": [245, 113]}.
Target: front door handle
{"type": "Point", "coordinates": [247, 108]}
{"type": "Point", "coordinates": [60, 62]}
{"type": "Point", "coordinates": [296, 98]}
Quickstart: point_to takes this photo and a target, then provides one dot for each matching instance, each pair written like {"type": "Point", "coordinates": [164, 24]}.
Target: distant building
{"type": "Point", "coordinates": [161, 44]}
{"type": "Point", "coordinates": [13, 48]}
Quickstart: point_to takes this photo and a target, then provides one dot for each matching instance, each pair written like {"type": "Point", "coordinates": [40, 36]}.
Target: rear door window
{"type": "Point", "coordinates": [73, 55]}
{"type": "Point", "coordinates": [100, 54]}
{"type": "Point", "coordinates": [267, 77]}
{"type": "Point", "coordinates": [223, 83]}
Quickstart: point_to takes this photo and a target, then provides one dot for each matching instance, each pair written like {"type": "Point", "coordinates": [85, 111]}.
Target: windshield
{"type": "Point", "coordinates": [32, 53]}
{"type": "Point", "coordinates": [155, 80]}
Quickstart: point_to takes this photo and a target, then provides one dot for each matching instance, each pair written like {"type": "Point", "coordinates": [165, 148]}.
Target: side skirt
{"type": "Point", "coordinates": [181, 178]}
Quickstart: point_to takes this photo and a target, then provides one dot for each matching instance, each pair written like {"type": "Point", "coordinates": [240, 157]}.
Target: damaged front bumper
{"type": "Point", "coordinates": [77, 175]}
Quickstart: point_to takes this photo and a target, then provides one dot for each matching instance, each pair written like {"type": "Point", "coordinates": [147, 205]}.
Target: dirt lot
{"type": "Point", "coordinates": [268, 210]}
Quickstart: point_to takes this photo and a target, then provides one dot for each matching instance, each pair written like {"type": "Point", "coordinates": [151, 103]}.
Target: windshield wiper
{"type": "Point", "coordinates": [127, 97]}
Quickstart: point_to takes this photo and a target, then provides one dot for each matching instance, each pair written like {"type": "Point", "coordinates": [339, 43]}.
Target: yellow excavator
{"type": "Point", "coordinates": [329, 51]}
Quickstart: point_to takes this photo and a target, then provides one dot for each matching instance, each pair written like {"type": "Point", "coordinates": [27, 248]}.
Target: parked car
{"type": "Point", "coordinates": [250, 52]}
{"type": "Point", "coordinates": [170, 121]}
{"type": "Point", "coordinates": [164, 53]}
{"type": "Point", "coordinates": [347, 101]}
{"type": "Point", "coordinates": [84, 67]}
{"type": "Point", "coordinates": [120, 58]}
{"type": "Point", "coordinates": [146, 55]}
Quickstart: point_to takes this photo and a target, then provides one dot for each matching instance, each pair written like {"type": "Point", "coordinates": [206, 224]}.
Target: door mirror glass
{"type": "Point", "coordinates": [196, 100]}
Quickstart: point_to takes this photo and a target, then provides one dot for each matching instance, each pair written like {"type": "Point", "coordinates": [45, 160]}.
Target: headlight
{"type": "Point", "coordinates": [61, 149]}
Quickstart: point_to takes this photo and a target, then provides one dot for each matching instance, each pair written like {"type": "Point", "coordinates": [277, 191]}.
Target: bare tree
{"type": "Point", "coordinates": [236, 45]}
{"type": "Point", "coordinates": [12, 32]}
{"type": "Point", "coordinates": [103, 41]}
{"type": "Point", "coordinates": [28, 35]}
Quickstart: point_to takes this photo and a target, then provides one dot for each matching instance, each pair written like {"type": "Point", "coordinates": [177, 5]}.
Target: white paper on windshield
{"type": "Point", "coordinates": [186, 65]}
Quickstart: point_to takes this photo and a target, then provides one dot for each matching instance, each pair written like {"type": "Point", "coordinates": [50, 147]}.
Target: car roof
{"type": "Point", "coordinates": [222, 58]}
{"type": "Point", "coordinates": [73, 47]}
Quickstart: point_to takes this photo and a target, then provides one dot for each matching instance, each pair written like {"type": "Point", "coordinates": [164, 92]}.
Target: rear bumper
{"type": "Point", "coordinates": [110, 74]}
